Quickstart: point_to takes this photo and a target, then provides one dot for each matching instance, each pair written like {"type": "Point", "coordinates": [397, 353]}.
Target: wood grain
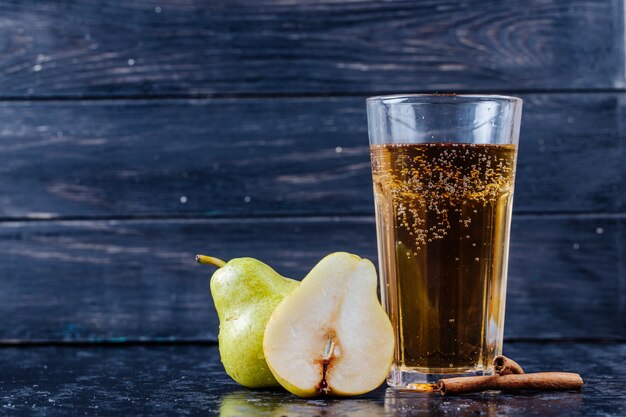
{"type": "Point", "coordinates": [141, 47]}
{"type": "Point", "coordinates": [189, 380]}
{"type": "Point", "coordinates": [93, 280]}
{"type": "Point", "coordinates": [208, 158]}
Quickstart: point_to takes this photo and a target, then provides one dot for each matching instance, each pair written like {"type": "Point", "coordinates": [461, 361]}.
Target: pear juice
{"type": "Point", "coordinates": [443, 213]}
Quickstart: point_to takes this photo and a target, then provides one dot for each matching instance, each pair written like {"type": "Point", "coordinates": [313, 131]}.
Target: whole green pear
{"type": "Point", "coordinates": [245, 293]}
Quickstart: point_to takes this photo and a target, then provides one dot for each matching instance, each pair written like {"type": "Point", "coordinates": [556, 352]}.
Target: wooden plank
{"type": "Point", "coordinates": [104, 48]}
{"type": "Point", "coordinates": [91, 280]}
{"type": "Point", "coordinates": [267, 157]}
{"type": "Point", "coordinates": [190, 380]}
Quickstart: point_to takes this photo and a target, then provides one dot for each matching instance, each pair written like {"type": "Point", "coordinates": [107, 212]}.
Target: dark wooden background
{"type": "Point", "coordinates": [136, 133]}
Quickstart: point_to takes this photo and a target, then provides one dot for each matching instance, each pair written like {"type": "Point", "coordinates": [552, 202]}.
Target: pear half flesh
{"type": "Point", "coordinates": [331, 336]}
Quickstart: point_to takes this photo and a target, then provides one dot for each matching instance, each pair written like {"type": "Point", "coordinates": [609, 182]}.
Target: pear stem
{"type": "Point", "coordinates": [210, 260]}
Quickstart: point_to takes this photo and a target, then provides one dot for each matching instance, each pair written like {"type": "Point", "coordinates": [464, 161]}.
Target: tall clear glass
{"type": "Point", "coordinates": [443, 168]}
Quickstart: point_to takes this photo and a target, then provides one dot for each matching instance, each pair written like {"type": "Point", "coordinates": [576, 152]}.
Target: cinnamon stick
{"type": "Point", "coordinates": [535, 381]}
{"type": "Point", "coordinates": [506, 366]}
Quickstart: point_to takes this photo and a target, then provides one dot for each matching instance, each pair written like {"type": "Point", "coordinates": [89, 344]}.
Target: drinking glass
{"type": "Point", "coordinates": [443, 169]}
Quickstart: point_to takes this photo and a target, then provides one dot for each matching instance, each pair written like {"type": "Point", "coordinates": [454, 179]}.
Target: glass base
{"type": "Point", "coordinates": [421, 381]}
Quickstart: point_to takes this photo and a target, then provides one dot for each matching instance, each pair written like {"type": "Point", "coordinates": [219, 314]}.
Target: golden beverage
{"type": "Point", "coordinates": [443, 212]}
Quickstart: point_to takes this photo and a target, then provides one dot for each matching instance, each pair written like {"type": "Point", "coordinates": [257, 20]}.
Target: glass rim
{"type": "Point", "coordinates": [440, 98]}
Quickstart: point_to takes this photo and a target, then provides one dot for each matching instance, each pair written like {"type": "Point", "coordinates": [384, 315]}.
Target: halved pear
{"type": "Point", "coordinates": [331, 335]}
